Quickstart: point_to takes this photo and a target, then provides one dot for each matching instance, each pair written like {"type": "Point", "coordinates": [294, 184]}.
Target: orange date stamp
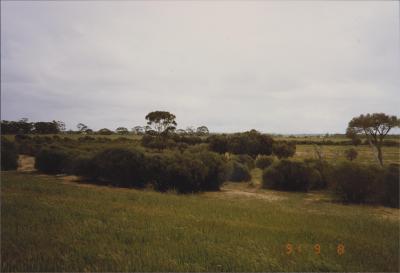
{"type": "Point", "coordinates": [317, 249]}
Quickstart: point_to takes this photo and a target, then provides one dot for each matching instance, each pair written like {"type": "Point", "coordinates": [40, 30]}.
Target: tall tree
{"type": "Point", "coordinates": [122, 130]}
{"type": "Point", "coordinates": [138, 130]}
{"type": "Point", "coordinates": [375, 127]}
{"type": "Point", "coordinates": [81, 127]}
{"type": "Point", "coordinates": [202, 131]}
{"type": "Point", "coordinates": [161, 121]}
{"type": "Point", "coordinates": [61, 125]}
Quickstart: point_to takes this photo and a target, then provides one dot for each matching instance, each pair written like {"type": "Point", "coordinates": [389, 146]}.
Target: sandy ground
{"type": "Point", "coordinates": [26, 163]}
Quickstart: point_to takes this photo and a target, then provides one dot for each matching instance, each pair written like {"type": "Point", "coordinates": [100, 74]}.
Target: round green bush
{"type": "Point", "coordinates": [237, 172]}
{"type": "Point", "coordinates": [356, 183]}
{"type": "Point", "coordinates": [51, 161]}
{"type": "Point", "coordinates": [9, 155]}
{"type": "Point", "coordinates": [391, 181]}
{"type": "Point", "coordinates": [288, 175]}
{"type": "Point", "coordinates": [264, 161]}
{"type": "Point", "coordinates": [284, 149]}
{"type": "Point", "coordinates": [121, 167]}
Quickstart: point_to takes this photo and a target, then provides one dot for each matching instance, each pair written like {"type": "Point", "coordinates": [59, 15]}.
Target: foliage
{"type": "Point", "coordinates": [162, 122]}
{"type": "Point", "coordinates": [284, 149]}
{"type": "Point", "coordinates": [104, 131]}
{"type": "Point", "coordinates": [356, 183]}
{"type": "Point", "coordinates": [375, 127]}
{"type": "Point", "coordinates": [202, 131]}
{"type": "Point", "coordinates": [246, 160]}
{"type": "Point", "coordinates": [9, 155]}
{"type": "Point", "coordinates": [288, 176]}
{"type": "Point", "coordinates": [237, 172]}
{"type": "Point", "coordinates": [391, 182]}
{"type": "Point", "coordinates": [251, 143]}
{"type": "Point", "coordinates": [122, 131]}
{"type": "Point", "coordinates": [120, 167]}
{"type": "Point", "coordinates": [264, 161]}
{"type": "Point", "coordinates": [51, 161]}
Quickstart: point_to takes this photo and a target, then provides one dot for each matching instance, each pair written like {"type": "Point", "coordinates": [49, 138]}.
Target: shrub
{"type": "Point", "coordinates": [120, 167]}
{"type": "Point", "coordinates": [391, 182]}
{"type": "Point", "coordinates": [356, 183]}
{"type": "Point", "coordinates": [85, 167]}
{"type": "Point", "coordinates": [185, 174]}
{"type": "Point", "coordinates": [284, 149]}
{"type": "Point", "coordinates": [251, 143]}
{"type": "Point", "coordinates": [264, 161]}
{"type": "Point", "coordinates": [288, 176]}
{"type": "Point", "coordinates": [351, 154]}
{"type": "Point", "coordinates": [218, 143]}
{"type": "Point", "coordinates": [245, 160]}
{"type": "Point", "coordinates": [9, 155]}
{"type": "Point", "coordinates": [320, 174]}
{"type": "Point", "coordinates": [51, 160]}
{"type": "Point", "coordinates": [215, 170]}
{"type": "Point", "coordinates": [237, 172]}
{"type": "Point", "coordinates": [105, 131]}
{"type": "Point", "coordinates": [19, 138]}
{"type": "Point", "coordinates": [156, 142]}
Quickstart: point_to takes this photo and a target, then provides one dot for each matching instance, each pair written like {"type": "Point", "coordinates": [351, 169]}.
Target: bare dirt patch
{"type": "Point", "coordinates": [245, 191]}
{"type": "Point", "coordinates": [26, 163]}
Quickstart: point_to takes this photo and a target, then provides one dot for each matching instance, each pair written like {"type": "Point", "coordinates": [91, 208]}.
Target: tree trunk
{"type": "Point", "coordinates": [376, 151]}
{"type": "Point", "coordinates": [380, 155]}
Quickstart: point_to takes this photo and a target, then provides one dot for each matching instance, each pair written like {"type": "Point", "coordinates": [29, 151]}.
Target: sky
{"type": "Point", "coordinates": [285, 67]}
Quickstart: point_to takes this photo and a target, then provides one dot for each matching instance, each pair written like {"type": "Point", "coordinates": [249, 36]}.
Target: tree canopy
{"type": "Point", "coordinates": [375, 127]}
{"type": "Point", "coordinates": [161, 121]}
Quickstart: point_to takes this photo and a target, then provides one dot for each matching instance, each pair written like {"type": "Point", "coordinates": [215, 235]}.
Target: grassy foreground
{"type": "Point", "coordinates": [50, 225]}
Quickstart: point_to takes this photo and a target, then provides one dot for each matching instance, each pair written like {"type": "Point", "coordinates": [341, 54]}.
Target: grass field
{"type": "Point", "coordinates": [51, 224]}
{"type": "Point", "coordinates": [334, 153]}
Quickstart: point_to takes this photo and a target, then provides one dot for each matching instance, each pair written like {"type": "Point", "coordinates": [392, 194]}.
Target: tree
{"type": "Point", "coordinates": [104, 131]}
{"type": "Point", "coordinates": [46, 127]}
{"type": "Point", "coordinates": [61, 126]}
{"type": "Point", "coordinates": [202, 131]}
{"type": "Point", "coordinates": [138, 130]}
{"type": "Point", "coordinates": [284, 149]}
{"type": "Point", "coordinates": [161, 121]}
{"type": "Point", "coordinates": [122, 130]}
{"type": "Point", "coordinates": [82, 127]}
{"type": "Point", "coordinates": [190, 130]}
{"type": "Point", "coordinates": [180, 132]}
{"type": "Point", "coordinates": [375, 127]}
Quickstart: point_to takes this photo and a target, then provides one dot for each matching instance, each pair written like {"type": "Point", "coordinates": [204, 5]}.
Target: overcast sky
{"type": "Point", "coordinates": [278, 67]}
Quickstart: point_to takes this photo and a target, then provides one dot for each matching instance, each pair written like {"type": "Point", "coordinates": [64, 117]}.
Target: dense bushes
{"type": "Point", "coordinates": [184, 172]}
{"type": "Point", "coordinates": [357, 183]}
{"type": "Point", "coordinates": [289, 176]}
{"type": "Point", "coordinates": [237, 172]}
{"type": "Point", "coordinates": [284, 149]}
{"type": "Point", "coordinates": [9, 155]}
{"type": "Point", "coordinates": [251, 143]}
{"type": "Point", "coordinates": [264, 161]}
{"type": "Point", "coordinates": [51, 160]}
{"type": "Point", "coordinates": [391, 182]}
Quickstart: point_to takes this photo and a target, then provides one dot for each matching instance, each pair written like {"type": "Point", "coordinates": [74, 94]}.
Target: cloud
{"type": "Point", "coordinates": [287, 67]}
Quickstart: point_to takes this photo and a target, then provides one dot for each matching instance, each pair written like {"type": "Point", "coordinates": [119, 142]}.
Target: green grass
{"type": "Point", "coordinates": [334, 153]}
{"type": "Point", "coordinates": [48, 225]}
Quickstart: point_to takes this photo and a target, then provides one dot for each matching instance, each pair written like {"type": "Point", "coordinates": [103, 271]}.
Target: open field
{"type": "Point", "coordinates": [52, 224]}
{"type": "Point", "coordinates": [334, 153]}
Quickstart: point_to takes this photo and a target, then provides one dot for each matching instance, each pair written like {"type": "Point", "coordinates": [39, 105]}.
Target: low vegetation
{"type": "Point", "coordinates": [50, 225]}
